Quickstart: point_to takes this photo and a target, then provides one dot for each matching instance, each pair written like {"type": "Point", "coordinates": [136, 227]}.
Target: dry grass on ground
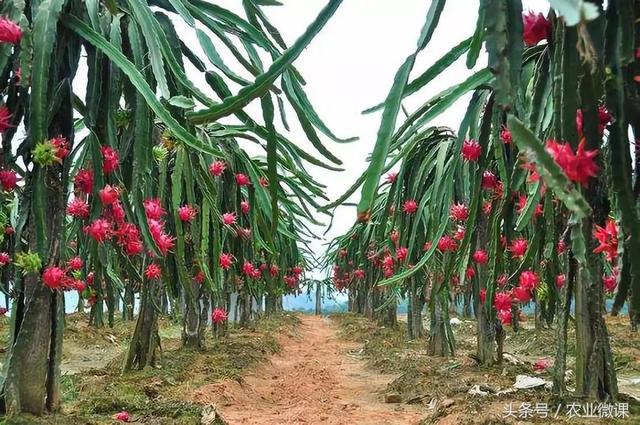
{"type": "Point", "coordinates": [94, 388]}
{"type": "Point", "coordinates": [442, 385]}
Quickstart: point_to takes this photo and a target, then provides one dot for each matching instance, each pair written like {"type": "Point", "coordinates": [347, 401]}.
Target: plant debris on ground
{"type": "Point", "coordinates": [456, 390]}
{"type": "Point", "coordinates": [153, 395]}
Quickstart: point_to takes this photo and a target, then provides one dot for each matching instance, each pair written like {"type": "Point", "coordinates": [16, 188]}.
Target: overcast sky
{"type": "Point", "coordinates": [350, 66]}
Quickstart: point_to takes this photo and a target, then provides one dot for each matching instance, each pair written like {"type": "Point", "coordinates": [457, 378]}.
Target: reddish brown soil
{"type": "Point", "coordinates": [314, 380]}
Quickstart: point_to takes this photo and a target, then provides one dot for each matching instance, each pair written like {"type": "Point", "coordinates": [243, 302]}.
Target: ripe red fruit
{"type": "Point", "coordinates": [502, 301]}
{"type": "Point", "coordinates": [401, 253]}
{"type": "Point", "coordinates": [133, 247]}
{"type": "Point", "coordinates": [5, 258]}
{"type": "Point", "coordinates": [187, 213]}
{"type": "Point", "coordinates": [128, 237]}
{"type": "Point", "coordinates": [519, 247]}
{"type": "Point", "coordinates": [395, 237]}
{"type": "Point", "coordinates": [459, 233]}
{"type": "Point", "coordinates": [53, 277]}
{"type": "Point", "coordinates": [359, 274]}
{"type": "Point", "coordinates": [99, 230]}
{"type": "Point", "coordinates": [560, 280]}
{"type": "Point", "coordinates": [219, 315]}
{"type": "Point", "coordinates": [164, 242]}
{"type": "Point", "coordinates": [117, 212]}
{"type": "Point", "coordinates": [521, 294]}
{"type": "Point", "coordinates": [541, 365]}
{"type": "Point", "coordinates": [471, 150]}
{"type": "Point", "coordinates": [10, 32]}
{"type": "Point", "coordinates": [274, 270]}
{"type": "Point", "coordinates": [584, 165]}
{"type": "Point", "coordinates": [489, 180]}
{"type": "Point", "coordinates": [538, 211]}
{"type": "Point", "coordinates": [536, 28]}
{"type": "Point", "coordinates": [610, 282]}
{"type": "Point", "coordinates": [226, 261]}
{"type": "Point", "coordinates": [505, 135]}
{"type": "Point", "coordinates": [256, 274]}
{"type": "Point", "coordinates": [410, 206]}
{"type": "Point", "coordinates": [459, 212]}
{"type": "Point", "coordinates": [248, 269]}
{"type": "Point", "coordinates": [578, 167]}
{"type": "Point", "coordinates": [83, 181]}
{"type": "Point", "coordinates": [505, 317]}
{"type": "Point", "coordinates": [199, 277]}
{"type": "Point", "coordinates": [245, 207]}
{"type": "Point", "coordinates": [229, 218]}
{"type": "Point", "coordinates": [469, 273]}
{"type": "Point", "coordinates": [561, 247]}
{"type": "Point", "coordinates": [153, 208]}
{"type": "Point", "coordinates": [108, 195]}
{"type": "Point", "coordinates": [122, 416]}
{"type": "Point", "coordinates": [110, 159]}
{"type": "Point", "coordinates": [608, 238]}
{"type": "Point", "coordinates": [217, 168]}
{"type": "Point", "coordinates": [8, 180]}
{"type": "Point", "coordinates": [481, 256]}
{"type": "Point", "coordinates": [291, 281]}
{"type": "Point", "coordinates": [529, 280]}
{"type": "Point", "coordinates": [387, 262]}
{"type": "Point", "coordinates": [242, 179]}
{"type": "Point", "coordinates": [447, 244]}
{"type": "Point", "coordinates": [62, 147]}
{"type": "Point", "coordinates": [387, 272]}
{"type": "Point", "coordinates": [78, 285]}
{"type": "Point", "coordinates": [153, 272]}
{"type": "Point", "coordinates": [502, 280]}
{"type": "Point", "coordinates": [155, 227]}
{"type": "Point", "coordinates": [75, 263]}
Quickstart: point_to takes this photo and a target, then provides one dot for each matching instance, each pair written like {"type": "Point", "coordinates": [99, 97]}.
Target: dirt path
{"type": "Point", "coordinates": [314, 380]}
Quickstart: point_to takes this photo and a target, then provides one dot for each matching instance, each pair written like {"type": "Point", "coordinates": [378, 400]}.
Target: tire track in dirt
{"type": "Point", "coordinates": [313, 380]}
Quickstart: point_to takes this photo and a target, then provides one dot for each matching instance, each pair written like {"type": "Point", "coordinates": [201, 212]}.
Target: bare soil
{"type": "Point", "coordinates": [94, 388]}
{"type": "Point", "coordinates": [317, 378]}
{"type": "Point", "coordinates": [293, 369]}
{"type": "Point", "coordinates": [457, 390]}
